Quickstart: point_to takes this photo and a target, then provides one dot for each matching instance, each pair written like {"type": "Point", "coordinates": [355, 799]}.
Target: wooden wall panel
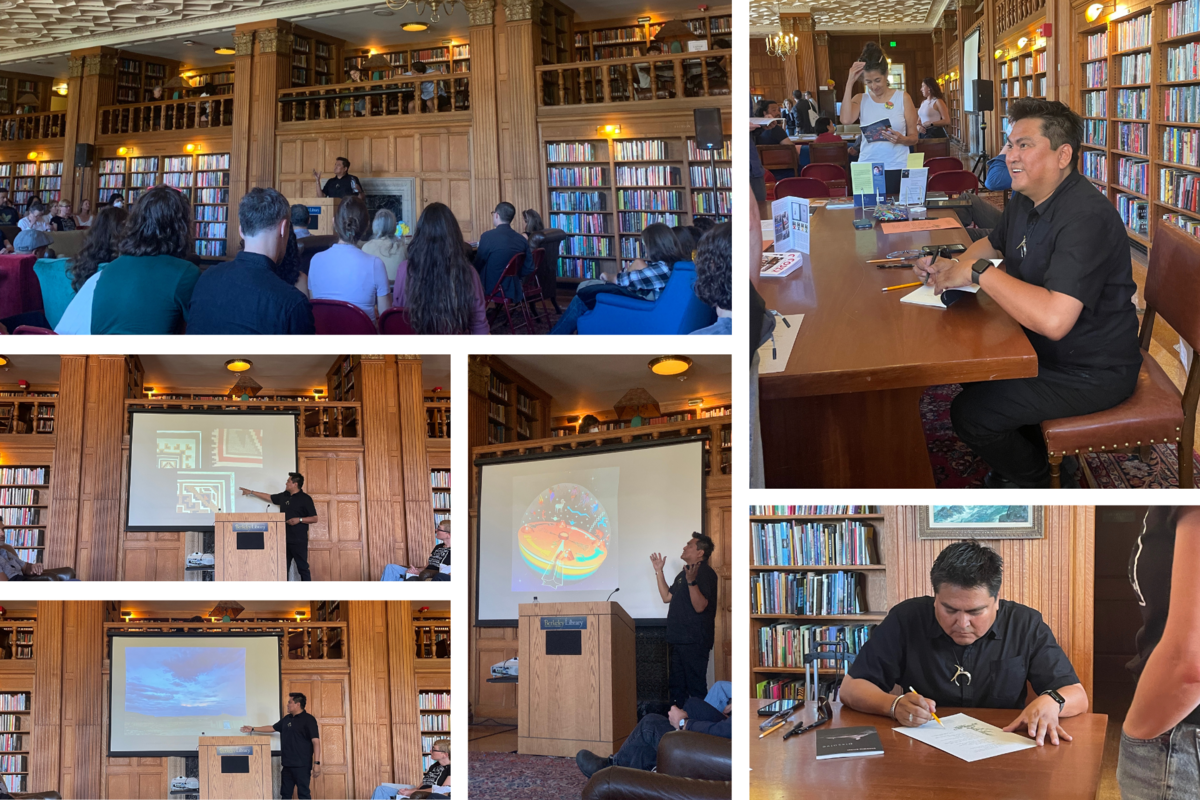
{"type": "Point", "coordinates": [418, 501]}
{"type": "Point", "coordinates": [766, 72]}
{"type": "Point", "coordinates": [62, 533]}
{"type": "Point", "coordinates": [522, 183]}
{"type": "Point", "coordinates": [913, 50]}
{"type": "Point", "coordinates": [336, 544]}
{"type": "Point", "coordinates": [368, 709]}
{"type": "Point", "coordinates": [82, 718]}
{"type": "Point", "coordinates": [328, 696]}
{"type": "Point", "coordinates": [101, 478]}
{"type": "Point", "coordinates": [44, 768]}
{"type": "Point", "coordinates": [485, 154]}
{"type": "Point", "coordinates": [402, 683]}
{"type": "Point", "coordinates": [380, 424]}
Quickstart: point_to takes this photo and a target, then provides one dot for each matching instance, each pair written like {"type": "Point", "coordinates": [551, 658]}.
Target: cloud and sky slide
{"type": "Point", "coordinates": [185, 681]}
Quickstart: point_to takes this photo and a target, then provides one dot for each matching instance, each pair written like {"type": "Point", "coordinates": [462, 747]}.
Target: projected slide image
{"type": "Point", "coordinates": [237, 447]}
{"type": "Point", "coordinates": [565, 538]}
{"type": "Point", "coordinates": [204, 493]}
{"type": "Point", "coordinates": [178, 449]}
{"type": "Point", "coordinates": [181, 690]}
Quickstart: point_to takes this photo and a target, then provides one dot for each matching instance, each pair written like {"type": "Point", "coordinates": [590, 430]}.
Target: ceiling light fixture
{"type": "Point", "coordinates": [238, 364]}
{"type": "Point", "coordinates": [224, 51]}
{"type": "Point", "coordinates": [670, 365]}
{"type": "Point", "coordinates": [414, 27]}
{"type": "Point", "coordinates": [782, 45]}
{"type": "Point", "coordinates": [422, 5]}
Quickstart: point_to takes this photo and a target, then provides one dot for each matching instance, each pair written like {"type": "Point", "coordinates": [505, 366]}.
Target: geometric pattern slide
{"type": "Point", "coordinates": [237, 447]}
{"type": "Point", "coordinates": [178, 449]}
{"type": "Point", "coordinates": [204, 492]}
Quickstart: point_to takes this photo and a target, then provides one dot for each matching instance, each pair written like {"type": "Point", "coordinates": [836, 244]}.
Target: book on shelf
{"type": "Point", "coordinates": [808, 593]}
{"type": "Point", "coordinates": [825, 543]}
{"type": "Point", "coordinates": [784, 644]}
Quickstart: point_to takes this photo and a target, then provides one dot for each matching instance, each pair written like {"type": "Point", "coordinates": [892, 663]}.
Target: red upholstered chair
{"type": "Point", "coordinates": [936, 165]}
{"type": "Point", "coordinates": [832, 175]}
{"type": "Point", "coordinates": [33, 330]}
{"type": "Point", "coordinates": [1157, 412]}
{"type": "Point", "coordinates": [20, 290]}
{"type": "Point", "coordinates": [340, 317]}
{"type": "Point", "coordinates": [394, 322]}
{"type": "Point", "coordinates": [497, 296]}
{"type": "Point", "coordinates": [801, 187]}
{"type": "Point", "coordinates": [769, 182]}
{"type": "Point", "coordinates": [953, 182]}
{"type": "Point", "coordinates": [533, 287]}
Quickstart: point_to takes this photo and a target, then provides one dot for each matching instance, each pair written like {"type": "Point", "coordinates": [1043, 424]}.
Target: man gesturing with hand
{"type": "Point", "coordinates": [691, 618]}
{"type": "Point", "coordinates": [965, 648]}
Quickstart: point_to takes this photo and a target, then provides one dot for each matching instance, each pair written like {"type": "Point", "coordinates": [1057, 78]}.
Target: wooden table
{"type": "Point", "coordinates": [846, 410]}
{"type": "Point", "coordinates": [912, 770]}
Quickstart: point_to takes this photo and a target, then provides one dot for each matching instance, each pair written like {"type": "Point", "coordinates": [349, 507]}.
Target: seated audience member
{"type": "Point", "coordinates": [965, 648]}
{"type": "Point", "coordinates": [435, 783]}
{"type": "Point", "coordinates": [12, 568]}
{"type": "Point", "coordinates": [704, 224]}
{"type": "Point", "coordinates": [533, 222]}
{"type": "Point", "coordinates": [438, 568]}
{"type": "Point", "coordinates": [343, 272]}
{"type": "Point", "coordinates": [62, 219]}
{"type": "Point", "coordinates": [640, 749]}
{"type": "Point", "coordinates": [99, 248]}
{"type": "Point", "coordinates": [8, 212]}
{"type": "Point", "coordinates": [300, 220]}
{"type": "Point", "coordinates": [35, 217]}
{"type": "Point", "coordinates": [84, 218]}
{"type": "Point", "coordinates": [714, 278]}
{"type": "Point", "coordinates": [32, 241]}
{"type": "Point", "coordinates": [496, 249]}
{"type": "Point", "coordinates": [148, 288]}
{"type": "Point", "coordinates": [1067, 278]}
{"type": "Point", "coordinates": [643, 279]}
{"type": "Point", "coordinates": [549, 240]}
{"type": "Point", "coordinates": [688, 239]}
{"type": "Point", "coordinates": [772, 133]}
{"type": "Point", "coordinates": [53, 273]}
{"type": "Point", "coordinates": [289, 268]}
{"type": "Point", "coordinates": [385, 244]}
{"type": "Point", "coordinates": [438, 285]}
{"type": "Point", "coordinates": [246, 295]}
{"type": "Point", "coordinates": [116, 200]}
{"type": "Point", "coordinates": [998, 179]}
{"type": "Point", "coordinates": [827, 131]}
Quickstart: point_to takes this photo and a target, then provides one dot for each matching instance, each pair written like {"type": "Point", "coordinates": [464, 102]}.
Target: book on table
{"type": "Point", "coordinates": [848, 742]}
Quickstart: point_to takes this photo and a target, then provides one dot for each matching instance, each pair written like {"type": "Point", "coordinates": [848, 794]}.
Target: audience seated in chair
{"type": "Point", "coordinates": [99, 248]}
{"type": "Point", "coordinates": [343, 272]}
{"type": "Point", "coordinates": [438, 568]}
{"type": "Point", "coordinates": [714, 277]}
{"type": "Point", "coordinates": [435, 782]}
{"type": "Point", "coordinates": [385, 244]}
{"type": "Point", "coordinates": [12, 568]}
{"type": "Point", "coordinates": [248, 295]}
{"type": "Point", "coordinates": [437, 284]}
{"type": "Point", "coordinates": [549, 239]}
{"type": "Point", "coordinates": [148, 288]}
{"type": "Point", "coordinates": [300, 220]}
{"type": "Point", "coordinates": [496, 249]}
{"type": "Point", "coordinates": [642, 279]}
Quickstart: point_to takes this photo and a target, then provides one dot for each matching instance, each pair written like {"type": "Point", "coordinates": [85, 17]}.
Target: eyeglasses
{"type": "Point", "coordinates": [824, 714]}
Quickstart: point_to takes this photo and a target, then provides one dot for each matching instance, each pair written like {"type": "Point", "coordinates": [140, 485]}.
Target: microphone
{"type": "Point", "coordinates": [535, 598]}
{"type": "Point", "coordinates": [268, 505]}
{"type": "Point", "coordinates": [610, 594]}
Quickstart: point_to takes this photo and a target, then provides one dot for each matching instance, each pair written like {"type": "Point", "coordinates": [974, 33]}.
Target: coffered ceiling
{"type": "Point", "coordinates": [893, 16]}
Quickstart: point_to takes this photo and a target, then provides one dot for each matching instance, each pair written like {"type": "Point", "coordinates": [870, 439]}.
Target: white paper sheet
{"type": "Point", "coordinates": [968, 738]}
{"type": "Point", "coordinates": [925, 296]}
{"type": "Point", "coordinates": [784, 339]}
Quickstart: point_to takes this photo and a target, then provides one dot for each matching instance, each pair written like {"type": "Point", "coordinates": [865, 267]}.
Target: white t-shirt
{"type": "Point", "coordinates": [893, 156]}
{"type": "Point", "coordinates": [43, 224]}
{"type": "Point", "coordinates": [343, 272]}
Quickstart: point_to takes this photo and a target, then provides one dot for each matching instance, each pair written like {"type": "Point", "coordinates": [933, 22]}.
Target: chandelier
{"type": "Point", "coordinates": [422, 5]}
{"type": "Point", "coordinates": [782, 45]}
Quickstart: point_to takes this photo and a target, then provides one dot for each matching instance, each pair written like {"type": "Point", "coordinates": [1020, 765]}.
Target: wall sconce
{"type": "Point", "coordinates": [122, 151]}
{"type": "Point", "coordinates": [192, 148]}
{"type": "Point", "coordinates": [1022, 42]}
{"type": "Point", "coordinates": [148, 389]}
{"type": "Point", "coordinates": [1040, 42]}
{"type": "Point", "coordinates": [695, 401]}
{"type": "Point", "coordinates": [33, 155]}
{"type": "Point", "coordinates": [126, 615]}
{"type": "Point", "coordinates": [1093, 12]}
{"type": "Point", "coordinates": [608, 130]}
{"type": "Point", "coordinates": [301, 615]}
{"type": "Point", "coordinates": [643, 20]}
{"type": "Point", "coordinates": [318, 393]}
{"type": "Point", "coordinates": [998, 54]}
{"type": "Point", "coordinates": [61, 90]}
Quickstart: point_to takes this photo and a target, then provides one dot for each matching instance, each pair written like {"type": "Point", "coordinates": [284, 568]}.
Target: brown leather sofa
{"type": "Point", "coordinates": [47, 574]}
{"type": "Point", "coordinates": [67, 243]}
{"type": "Point", "coordinates": [691, 766]}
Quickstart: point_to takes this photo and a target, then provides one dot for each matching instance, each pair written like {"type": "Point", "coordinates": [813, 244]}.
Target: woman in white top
{"type": "Point", "coordinates": [880, 103]}
{"type": "Point", "coordinates": [933, 114]}
{"type": "Point", "coordinates": [34, 218]}
{"type": "Point", "coordinates": [343, 272]}
{"type": "Point", "coordinates": [385, 244]}
{"type": "Point", "coordinates": [84, 218]}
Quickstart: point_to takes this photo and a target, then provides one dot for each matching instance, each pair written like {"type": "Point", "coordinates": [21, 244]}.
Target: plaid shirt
{"type": "Point", "coordinates": [646, 282]}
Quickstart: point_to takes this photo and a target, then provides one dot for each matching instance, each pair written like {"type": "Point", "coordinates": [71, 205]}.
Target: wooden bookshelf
{"type": "Point", "coordinates": [434, 707]}
{"type": "Point", "coordinates": [439, 480]}
{"type": "Point", "coordinates": [438, 58]}
{"type": "Point", "coordinates": [31, 414]}
{"type": "Point", "coordinates": [25, 509]}
{"type": "Point", "coordinates": [14, 86]}
{"type": "Point", "coordinates": [138, 75]}
{"type": "Point", "coordinates": [772, 676]}
{"type": "Point", "coordinates": [215, 81]}
{"type": "Point", "coordinates": [604, 39]}
{"type": "Point", "coordinates": [16, 724]}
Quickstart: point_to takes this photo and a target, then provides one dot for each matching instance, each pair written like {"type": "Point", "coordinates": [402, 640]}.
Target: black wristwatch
{"type": "Point", "coordinates": [1056, 697]}
{"type": "Point", "coordinates": [691, 583]}
{"type": "Point", "coordinates": [978, 268]}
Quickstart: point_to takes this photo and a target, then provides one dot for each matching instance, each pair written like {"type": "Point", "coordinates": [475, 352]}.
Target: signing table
{"type": "Point", "coordinates": [912, 770]}
{"type": "Point", "coordinates": [845, 412]}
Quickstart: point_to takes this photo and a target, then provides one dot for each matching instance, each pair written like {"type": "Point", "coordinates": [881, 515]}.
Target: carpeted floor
{"type": "Point", "coordinates": [955, 466]}
{"type": "Point", "coordinates": [508, 776]}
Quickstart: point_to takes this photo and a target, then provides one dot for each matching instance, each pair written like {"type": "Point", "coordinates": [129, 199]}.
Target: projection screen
{"type": "Point", "coordinates": [184, 467]}
{"type": "Point", "coordinates": [970, 70]}
{"type": "Point", "coordinates": [166, 691]}
{"type": "Point", "coordinates": [567, 527]}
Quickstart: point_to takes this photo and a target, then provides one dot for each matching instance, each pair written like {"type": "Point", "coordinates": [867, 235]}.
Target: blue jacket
{"type": "Point", "coordinates": [496, 249]}
{"type": "Point", "coordinates": [998, 178]}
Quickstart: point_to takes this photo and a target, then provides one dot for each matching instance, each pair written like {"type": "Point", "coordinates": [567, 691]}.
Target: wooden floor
{"type": "Point", "coordinates": [493, 739]}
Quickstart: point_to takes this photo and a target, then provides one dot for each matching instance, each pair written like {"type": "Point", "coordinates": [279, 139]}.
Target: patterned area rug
{"type": "Point", "coordinates": [508, 776]}
{"type": "Point", "coordinates": [955, 466]}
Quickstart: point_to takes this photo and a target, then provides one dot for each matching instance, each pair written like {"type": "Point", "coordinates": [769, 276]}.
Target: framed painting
{"type": "Point", "coordinates": [981, 522]}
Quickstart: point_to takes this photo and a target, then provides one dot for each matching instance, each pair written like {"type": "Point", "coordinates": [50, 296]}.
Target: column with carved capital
{"type": "Point", "coordinates": [272, 72]}
{"type": "Point", "coordinates": [523, 185]}
{"type": "Point", "coordinates": [806, 54]}
{"type": "Point", "coordinates": [485, 131]}
{"type": "Point", "coordinates": [243, 63]}
{"type": "Point", "coordinates": [821, 44]}
{"type": "Point", "coordinates": [92, 83]}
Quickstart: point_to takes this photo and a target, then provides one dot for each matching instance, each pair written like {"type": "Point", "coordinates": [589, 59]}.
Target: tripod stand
{"type": "Point", "coordinates": [981, 161]}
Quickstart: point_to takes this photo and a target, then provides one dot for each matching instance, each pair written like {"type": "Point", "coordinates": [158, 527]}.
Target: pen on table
{"type": "Point", "coordinates": [901, 286]}
{"type": "Point", "coordinates": [935, 716]}
{"type": "Point", "coordinates": [773, 728]}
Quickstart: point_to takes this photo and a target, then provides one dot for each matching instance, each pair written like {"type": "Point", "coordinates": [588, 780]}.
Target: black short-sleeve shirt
{"type": "Point", "coordinates": [909, 648]}
{"type": "Point", "coordinates": [436, 775]}
{"type": "Point", "coordinates": [1150, 567]}
{"type": "Point", "coordinates": [684, 624]}
{"type": "Point", "coordinates": [343, 186]}
{"type": "Point", "coordinates": [439, 556]}
{"type": "Point", "coordinates": [296, 732]}
{"type": "Point", "coordinates": [1074, 242]}
{"type": "Point", "coordinates": [295, 505]}
{"type": "Point", "coordinates": [9, 215]}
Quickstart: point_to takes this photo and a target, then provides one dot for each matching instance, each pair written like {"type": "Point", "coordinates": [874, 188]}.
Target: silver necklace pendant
{"type": "Point", "coordinates": [960, 671]}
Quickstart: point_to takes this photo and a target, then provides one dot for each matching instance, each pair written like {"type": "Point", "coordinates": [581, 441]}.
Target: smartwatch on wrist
{"type": "Point", "coordinates": [978, 268]}
{"type": "Point", "coordinates": [1056, 697]}
{"type": "Point", "coordinates": [691, 583]}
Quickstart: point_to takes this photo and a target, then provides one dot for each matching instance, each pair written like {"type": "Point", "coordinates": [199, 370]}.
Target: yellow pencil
{"type": "Point", "coordinates": [935, 716]}
{"type": "Point", "coordinates": [772, 730]}
{"type": "Point", "coordinates": [901, 286]}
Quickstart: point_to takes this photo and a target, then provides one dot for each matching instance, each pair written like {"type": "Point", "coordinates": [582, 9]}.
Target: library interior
{"type": "Point", "coordinates": [858, 611]}
{"type": "Point", "coordinates": [538, 138]}
{"type": "Point", "coordinates": [587, 476]}
{"type": "Point", "coordinates": [181, 467]}
{"type": "Point", "coordinates": [147, 699]}
{"type": "Point", "coordinates": [989, 114]}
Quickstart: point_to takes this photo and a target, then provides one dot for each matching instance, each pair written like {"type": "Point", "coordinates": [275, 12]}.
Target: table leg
{"type": "Point", "coordinates": [859, 440]}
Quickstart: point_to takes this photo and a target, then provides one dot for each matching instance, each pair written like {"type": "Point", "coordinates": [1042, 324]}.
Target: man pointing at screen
{"type": "Point", "coordinates": [690, 619]}
{"type": "Point", "coordinates": [299, 745]}
{"type": "Point", "coordinates": [299, 512]}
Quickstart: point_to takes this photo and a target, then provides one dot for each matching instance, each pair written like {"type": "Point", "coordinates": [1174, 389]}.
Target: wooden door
{"type": "Point", "coordinates": [336, 544]}
{"type": "Point", "coordinates": [329, 701]}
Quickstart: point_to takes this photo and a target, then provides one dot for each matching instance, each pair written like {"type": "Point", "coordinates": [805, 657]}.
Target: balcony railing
{"type": "Point", "coordinates": [325, 419]}
{"type": "Point", "coordinates": [167, 115]}
{"type": "Point", "coordinates": [636, 79]}
{"type": "Point", "coordinates": [46, 125]}
{"type": "Point", "coordinates": [302, 641]}
{"type": "Point", "coordinates": [385, 98]}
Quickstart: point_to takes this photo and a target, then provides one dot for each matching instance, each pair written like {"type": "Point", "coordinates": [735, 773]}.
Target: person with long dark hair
{"type": "Point", "coordinates": [643, 278]}
{"type": "Point", "coordinates": [933, 114]}
{"type": "Point", "coordinates": [148, 288]}
{"type": "Point", "coordinates": [714, 277]}
{"type": "Point", "coordinates": [438, 285]}
{"type": "Point", "coordinates": [549, 240]}
{"type": "Point", "coordinates": [880, 103]}
{"type": "Point", "coordinates": [343, 272]}
{"type": "Point", "coordinates": [99, 248]}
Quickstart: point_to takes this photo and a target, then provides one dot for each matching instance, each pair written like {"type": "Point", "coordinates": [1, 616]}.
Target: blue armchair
{"type": "Point", "coordinates": [676, 311]}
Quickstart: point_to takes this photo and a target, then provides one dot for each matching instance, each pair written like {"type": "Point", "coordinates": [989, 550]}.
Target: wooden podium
{"type": "Point", "coordinates": [325, 209]}
{"type": "Point", "coordinates": [578, 678]}
{"type": "Point", "coordinates": [250, 547]}
{"type": "Point", "coordinates": [233, 767]}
